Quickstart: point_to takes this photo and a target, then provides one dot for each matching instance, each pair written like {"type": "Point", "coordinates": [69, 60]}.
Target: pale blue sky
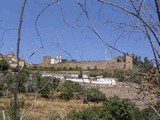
{"type": "Point", "coordinates": [79, 41]}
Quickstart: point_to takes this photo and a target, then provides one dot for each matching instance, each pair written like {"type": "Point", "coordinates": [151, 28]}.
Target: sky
{"type": "Point", "coordinates": [65, 30]}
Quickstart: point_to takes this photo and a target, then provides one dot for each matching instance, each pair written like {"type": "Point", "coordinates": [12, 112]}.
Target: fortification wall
{"type": "Point", "coordinates": [105, 65]}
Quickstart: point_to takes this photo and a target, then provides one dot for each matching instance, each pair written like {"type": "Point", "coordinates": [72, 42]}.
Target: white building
{"type": "Point", "coordinates": [56, 60]}
{"type": "Point", "coordinates": [99, 81]}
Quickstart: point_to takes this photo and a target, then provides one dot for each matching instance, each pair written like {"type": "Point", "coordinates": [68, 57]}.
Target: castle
{"type": "Point", "coordinates": [124, 62]}
{"type": "Point", "coordinates": [48, 61]}
{"type": "Point", "coordinates": [12, 60]}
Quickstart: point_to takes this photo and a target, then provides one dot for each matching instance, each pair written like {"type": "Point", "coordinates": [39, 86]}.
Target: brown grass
{"type": "Point", "coordinates": [43, 108]}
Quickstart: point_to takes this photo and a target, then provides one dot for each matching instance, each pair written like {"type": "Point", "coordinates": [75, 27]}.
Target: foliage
{"type": "Point", "coordinates": [106, 74]}
{"type": "Point", "coordinates": [86, 114]}
{"type": "Point", "coordinates": [94, 95]}
{"type": "Point", "coordinates": [24, 77]}
{"type": "Point", "coordinates": [9, 80]}
{"type": "Point", "coordinates": [10, 109]}
{"type": "Point", "coordinates": [46, 85]}
{"type": "Point", "coordinates": [112, 109]}
{"type": "Point", "coordinates": [150, 114]}
{"type": "Point", "coordinates": [94, 74]}
{"type": "Point", "coordinates": [120, 74]}
{"type": "Point", "coordinates": [120, 109]}
{"type": "Point", "coordinates": [134, 77]}
{"type": "Point", "coordinates": [64, 60]}
{"type": "Point", "coordinates": [142, 65]}
{"type": "Point", "coordinates": [73, 60]}
{"type": "Point", "coordinates": [3, 65]}
{"type": "Point", "coordinates": [1, 89]}
{"type": "Point", "coordinates": [70, 89]}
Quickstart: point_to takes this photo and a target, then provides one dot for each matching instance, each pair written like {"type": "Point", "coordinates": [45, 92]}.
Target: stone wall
{"type": "Point", "coordinates": [112, 64]}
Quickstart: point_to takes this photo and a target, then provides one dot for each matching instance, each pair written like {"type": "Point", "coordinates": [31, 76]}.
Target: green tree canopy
{"type": "Point", "coordinates": [3, 65]}
{"type": "Point", "coordinates": [112, 109]}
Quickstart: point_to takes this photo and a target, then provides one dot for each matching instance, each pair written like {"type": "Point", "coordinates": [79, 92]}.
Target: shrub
{"type": "Point", "coordinates": [120, 74]}
{"type": "Point", "coordinates": [86, 114]}
{"type": "Point", "coordinates": [94, 95]}
{"type": "Point", "coordinates": [46, 85]}
{"type": "Point", "coordinates": [64, 68]}
{"type": "Point", "coordinates": [113, 109]}
{"type": "Point", "coordinates": [70, 89]}
{"type": "Point", "coordinates": [3, 65]}
{"type": "Point", "coordinates": [106, 74]}
{"type": "Point", "coordinates": [120, 109]}
{"type": "Point", "coordinates": [9, 80]}
{"type": "Point", "coordinates": [10, 109]}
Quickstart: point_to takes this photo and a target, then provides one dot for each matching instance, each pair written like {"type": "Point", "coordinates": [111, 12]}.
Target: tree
{"type": "Point", "coordinates": [46, 85]}
{"type": "Point", "coordinates": [147, 64]}
{"type": "Point", "coordinates": [70, 89]}
{"type": "Point", "coordinates": [112, 109]}
{"type": "Point", "coordinates": [120, 109]}
{"type": "Point", "coordinates": [64, 60]}
{"type": "Point", "coordinates": [3, 65]}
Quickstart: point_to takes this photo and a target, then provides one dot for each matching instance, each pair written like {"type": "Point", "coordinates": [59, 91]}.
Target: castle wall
{"type": "Point", "coordinates": [105, 65]}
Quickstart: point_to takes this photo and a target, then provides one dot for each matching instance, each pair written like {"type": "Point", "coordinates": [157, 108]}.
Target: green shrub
{"type": "Point", "coordinates": [94, 95]}
{"type": "Point", "coordinates": [121, 109]}
{"type": "Point", "coordinates": [3, 65]}
{"type": "Point", "coordinates": [113, 109]}
{"type": "Point", "coordinates": [10, 109]}
{"type": "Point", "coordinates": [150, 114]}
{"type": "Point", "coordinates": [46, 85]}
{"type": "Point", "coordinates": [86, 114]}
{"type": "Point", "coordinates": [120, 74]}
{"type": "Point", "coordinates": [70, 89]}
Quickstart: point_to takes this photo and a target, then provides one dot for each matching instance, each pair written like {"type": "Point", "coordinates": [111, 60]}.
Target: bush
{"type": "Point", "coordinates": [86, 114]}
{"type": "Point", "coordinates": [9, 80]}
{"type": "Point", "coordinates": [112, 109]}
{"type": "Point", "coordinates": [94, 74]}
{"type": "Point", "coordinates": [58, 68]}
{"type": "Point", "coordinates": [94, 95]}
{"type": "Point", "coordinates": [46, 85]}
{"type": "Point", "coordinates": [120, 74]}
{"type": "Point", "coordinates": [106, 74]}
{"type": "Point", "coordinates": [70, 89]}
{"type": "Point", "coordinates": [150, 114]}
{"type": "Point", "coordinates": [10, 109]}
{"type": "Point", "coordinates": [24, 77]}
{"type": "Point", "coordinates": [3, 65]}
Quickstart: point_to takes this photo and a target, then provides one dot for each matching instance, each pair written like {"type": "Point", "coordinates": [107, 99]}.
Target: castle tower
{"type": "Point", "coordinates": [46, 61]}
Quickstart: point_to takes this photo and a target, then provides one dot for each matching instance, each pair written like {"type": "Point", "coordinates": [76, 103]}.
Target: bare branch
{"type": "Point", "coordinates": [18, 51]}
{"type": "Point", "coordinates": [157, 2]}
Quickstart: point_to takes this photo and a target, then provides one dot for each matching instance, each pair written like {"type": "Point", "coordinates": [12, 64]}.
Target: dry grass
{"type": "Point", "coordinates": [43, 109]}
